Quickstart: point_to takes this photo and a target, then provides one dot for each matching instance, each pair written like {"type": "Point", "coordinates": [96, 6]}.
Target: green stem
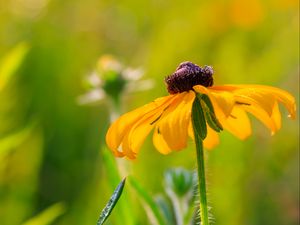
{"type": "Point", "coordinates": [201, 180]}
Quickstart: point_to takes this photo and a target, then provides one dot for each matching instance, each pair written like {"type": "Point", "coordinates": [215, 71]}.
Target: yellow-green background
{"type": "Point", "coordinates": [56, 154]}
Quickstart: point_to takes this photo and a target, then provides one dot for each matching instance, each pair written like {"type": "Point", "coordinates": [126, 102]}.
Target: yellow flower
{"type": "Point", "coordinates": [170, 116]}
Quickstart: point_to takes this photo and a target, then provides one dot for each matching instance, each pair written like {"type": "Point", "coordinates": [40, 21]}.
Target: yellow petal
{"type": "Point", "coordinates": [237, 123]}
{"type": "Point", "coordinates": [212, 139]}
{"type": "Point", "coordinates": [174, 125]}
{"type": "Point", "coordinates": [201, 89]}
{"type": "Point", "coordinates": [121, 126]}
{"type": "Point", "coordinates": [191, 131]}
{"type": "Point", "coordinates": [282, 96]}
{"type": "Point", "coordinates": [264, 99]}
{"type": "Point", "coordinates": [125, 148]}
{"type": "Point", "coordinates": [160, 143]}
{"type": "Point", "coordinates": [262, 115]}
{"type": "Point", "coordinates": [276, 116]}
{"type": "Point", "coordinates": [223, 101]}
{"type": "Point", "coordinates": [137, 134]}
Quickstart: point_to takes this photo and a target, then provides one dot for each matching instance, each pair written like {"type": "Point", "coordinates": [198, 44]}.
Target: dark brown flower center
{"type": "Point", "coordinates": [188, 75]}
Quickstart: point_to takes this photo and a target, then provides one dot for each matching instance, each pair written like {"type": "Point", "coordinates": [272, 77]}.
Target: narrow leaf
{"type": "Point", "coordinates": [11, 141]}
{"type": "Point", "coordinates": [210, 115]}
{"type": "Point", "coordinates": [198, 119]}
{"type": "Point", "coordinates": [111, 203]}
{"type": "Point", "coordinates": [155, 211]}
{"type": "Point", "coordinates": [11, 62]}
{"type": "Point", "coordinates": [166, 208]}
{"type": "Point", "coordinates": [211, 119]}
{"type": "Point", "coordinates": [47, 216]}
{"type": "Point", "coordinates": [207, 101]}
{"type": "Point", "coordinates": [125, 209]}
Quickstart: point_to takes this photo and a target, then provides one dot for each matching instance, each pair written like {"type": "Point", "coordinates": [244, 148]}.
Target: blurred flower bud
{"type": "Point", "coordinates": [179, 187]}
{"type": "Point", "coordinates": [107, 63]}
{"type": "Point", "coordinates": [180, 181]}
{"type": "Point", "coordinates": [111, 79]}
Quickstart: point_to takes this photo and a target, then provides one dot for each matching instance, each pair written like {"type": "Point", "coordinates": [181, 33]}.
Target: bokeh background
{"type": "Point", "coordinates": [51, 146]}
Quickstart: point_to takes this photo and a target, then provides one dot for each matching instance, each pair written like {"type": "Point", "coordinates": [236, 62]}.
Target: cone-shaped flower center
{"type": "Point", "coordinates": [188, 75]}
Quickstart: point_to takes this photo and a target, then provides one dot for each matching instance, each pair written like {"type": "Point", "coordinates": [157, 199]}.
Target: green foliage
{"type": "Point", "coordinates": [176, 205]}
{"type": "Point", "coordinates": [198, 118]}
{"type": "Point", "coordinates": [209, 112]}
{"type": "Point", "coordinates": [155, 215]}
{"type": "Point", "coordinates": [180, 187]}
{"type": "Point", "coordinates": [12, 141]}
{"type": "Point", "coordinates": [124, 211]}
{"type": "Point", "coordinates": [11, 62]}
{"type": "Point", "coordinates": [203, 114]}
{"type": "Point", "coordinates": [111, 203]}
{"type": "Point", "coordinates": [47, 216]}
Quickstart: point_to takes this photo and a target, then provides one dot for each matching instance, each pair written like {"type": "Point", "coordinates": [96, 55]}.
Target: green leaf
{"type": "Point", "coordinates": [11, 62]}
{"type": "Point", "coordinates": [125, 209]}
{"type": "Point", "coordinates": [210, 115]}
{"type": "Point", "coordinates": [198, 119]}
{"type": "Point", "coordinates": [11, 141]}
{"type": "Point", "coordinates": [166, 208]}
{"type": "Point", "coordinates": [179, 189]}
{"type": "Point", "coordinates": [111, 203]}
{"type": "Point", "coordinates": [47, 216]}
{"type": "Point", "coordinates": [155, 211]}
{"type": "Point", "coordinates": [207, 101]}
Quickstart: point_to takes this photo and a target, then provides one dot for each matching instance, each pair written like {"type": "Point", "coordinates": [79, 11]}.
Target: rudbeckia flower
{"type": "Point", "coordinates": [170, 116]}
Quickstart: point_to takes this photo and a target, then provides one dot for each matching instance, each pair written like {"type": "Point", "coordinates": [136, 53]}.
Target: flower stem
{"type": "Point", "coordinates": [201, 180]}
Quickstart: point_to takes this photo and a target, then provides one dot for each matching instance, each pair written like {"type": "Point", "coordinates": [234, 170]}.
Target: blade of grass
{"type": "Point", "coordinates": [11, 141]}
{"type": "Point", "coordinates": [166, 209]}
{"type": "Point", "coordinates": [47, 216]}
{"type": "Point", "coordinates": [126, 214]}
{"type": "Point", "coordinates": [111, 203]}
{"type": "Point", "coordinates": [11, 62]}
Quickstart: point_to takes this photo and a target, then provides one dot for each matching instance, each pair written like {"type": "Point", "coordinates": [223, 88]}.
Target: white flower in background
{"type": "Point", "coordinates": [111, 80]}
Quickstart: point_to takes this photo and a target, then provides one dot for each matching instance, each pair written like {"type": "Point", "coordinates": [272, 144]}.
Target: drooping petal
{"type": "Point", "coordinates": [237, 123]}
{"type": "Point", "coordinates": [212, 139]}
{"type": "Point", "coordinates": [191, 131]}
{"type": "Point", "coordinates": [264, 100]}
{"type": "Point", "coordinates": [282, 96]}
{"type": "Point", "coordinates": [262, 115]}
{"type": "Point", "coordinates": [160, 143]}
{"type": "Point", "coordinates": [137, 134]}
{"type": "Point", "coordinates": [223, 101]}
{"type": "Point", "coordinates": [123, 125]}
{"type": "Point", "coordinates": [276, 116]}
{"type": "Point", "coordinates": [287, 100]}
{"type": "Point", "coordinates": [261, 101]}
{"type": "Point", "coordinates": [172, 129]}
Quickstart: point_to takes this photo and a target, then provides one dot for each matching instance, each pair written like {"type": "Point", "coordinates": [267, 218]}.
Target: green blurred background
{"type": "Point", "coordinates": [50, 146]}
